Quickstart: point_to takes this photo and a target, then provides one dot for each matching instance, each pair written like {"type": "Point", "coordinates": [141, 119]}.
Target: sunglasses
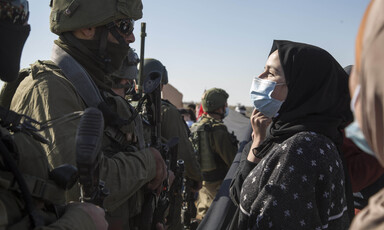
{"type": "Point", "coordinates": [125, 26]}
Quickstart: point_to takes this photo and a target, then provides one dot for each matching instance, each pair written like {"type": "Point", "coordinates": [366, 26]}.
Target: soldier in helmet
{"type": "Point", "coordinates": [173, 125]}
{"type": "Point", "coordinates": [24, 167]}
{"type": "Point", "coordinates": [215, 146]}
{"type": "Point", "coordinates": [94, 38]}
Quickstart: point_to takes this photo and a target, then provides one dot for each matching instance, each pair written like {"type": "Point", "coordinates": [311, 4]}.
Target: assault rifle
{"type": "Point", "coordinates": [188, 210]}
{"type": "Point", "coordinates": [88, 147]}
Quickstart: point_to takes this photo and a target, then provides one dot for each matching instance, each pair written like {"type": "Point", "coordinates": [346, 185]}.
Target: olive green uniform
{"type": "Point", "coordinates": [46, 94]}
{"type": "Point", "coordinates": [216, 149]}
{"type": "Point", "coordinates": [173, 125]}
{"type": "Point", "coordinates": [33, 165]}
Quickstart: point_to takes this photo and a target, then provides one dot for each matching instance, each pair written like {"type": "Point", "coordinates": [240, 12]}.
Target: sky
{"type": "Point", "coordinates": [222, 43]}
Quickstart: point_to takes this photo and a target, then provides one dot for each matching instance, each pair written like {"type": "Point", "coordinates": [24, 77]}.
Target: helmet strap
{"type": "Point", "coordinates": [103, 42]}
{"type": "Point", "coordinates": [112, 29]}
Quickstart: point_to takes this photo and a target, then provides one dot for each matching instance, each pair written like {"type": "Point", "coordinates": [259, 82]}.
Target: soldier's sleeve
{"type": "Point", "coordinates": [49, 96]}
{"type": "Point", "coordinates": [224, 144]}
{"type": "Point", "coordinates": [173, 126]}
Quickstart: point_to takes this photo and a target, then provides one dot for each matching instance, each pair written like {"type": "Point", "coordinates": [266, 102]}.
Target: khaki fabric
{"type": "Point", "coordinates": [206, 195]}
{"type": "Point", "coordinates": [220, 140]}
{"type": "Point", "coordinates": [372, 216]}
{"type": "Point", "coordinates": [173, 125]}
{"type": "Point", "coordinates": [45, 95]}
{"type": "Point", "coordinates": [225, 148]}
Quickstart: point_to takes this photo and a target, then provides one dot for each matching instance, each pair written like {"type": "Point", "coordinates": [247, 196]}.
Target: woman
{"type": "Point", "coordinates": [293, 177]}
{"type": "Point", "coordinates": [367, 88]}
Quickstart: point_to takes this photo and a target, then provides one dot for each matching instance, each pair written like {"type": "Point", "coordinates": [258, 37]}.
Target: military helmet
{"type": "Point", "coordinates": [152, 65]}
{"type": "Point", "coordinates": [213, 99]}
{"type": "Point", "coordinates": [72, 15]}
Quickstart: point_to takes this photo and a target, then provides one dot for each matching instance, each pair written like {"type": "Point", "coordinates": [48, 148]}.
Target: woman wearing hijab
{"type": "Point", "coordinates": [293, 176]}
{"type": "Point", "coordinates": [367, 87]}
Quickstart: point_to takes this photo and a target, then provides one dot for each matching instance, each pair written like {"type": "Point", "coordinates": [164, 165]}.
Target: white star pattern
{"type": "Point", "coordinates": [274, 203]}
{"type": "Point", "coordinates": [318, 228]}
{"type": "Point", "coordinates": [291, 168]}
{"type": "Point", "coordinates": [262, 162]}
{"type": "Point", "coordinates": [278, 165]}
{"type": "Point", "coordinates": [299, 151]}
{"type": "Point", "coordinates": [283, 186]}
{"type": "Point", "coordinates": [328, 211]}
{"type": "Point", "coordinates": [341, 201]}
{"type": "Point", "coordinates": [304, 178]}
{"type": "Point", "coordinates": [295, 196]}
{"type": "Point", "coordinates": [309, 205]}
{"type": "Point", "coordinates": [251, 173]}
{"type": "Point", "coordinates": [287, 213]}
{"type": "Point", "coordinates": [253, 180]}
{"type": "Point", "coordinates": [330, 168]}
{"type": "Point", "coordinates": [302, 223]}
{"type": "Point", "coordinates": [313, 133]}
{"type": "Point", "coordinates": [332, 205]}
{"type": "Point", "coordinates": [326, 194]}
{"type": "Point", "coordinates": [333, 187]}
{"type": "Point", "coordinates": [328, 146]}
{"type": "Point", "coordinates": [313, 163]}
{"type": "Point", "coordinates": [337, 163]}
{"type": "Point", "coordinates": [321, 151]}
{"type": "Point", "coordinates": [245, 197]}
{"type": "Point", "coordinates": [270, 225]}
{"type": "Point", "coordinates": [307, 139]}
{"type": "Point", "coordinates": [321, 177]}
{"type": "Point", "coordinates": [342, 182]}
{"type": "Point", "coordinates": [284, 146]}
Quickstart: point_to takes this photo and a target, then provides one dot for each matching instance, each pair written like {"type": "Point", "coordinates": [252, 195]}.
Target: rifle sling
{"type": "Point", "coordinates": [77, 75]}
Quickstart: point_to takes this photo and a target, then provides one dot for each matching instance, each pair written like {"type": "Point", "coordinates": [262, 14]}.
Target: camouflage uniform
{"type": "Point", "coordinates": [33, 165]}
{"type": "Point", "coordinates": [215, 146]}
{"type": "Point", "coordinates": [51, 95]}
{"type": "Point", "coordinates": [173, 125]}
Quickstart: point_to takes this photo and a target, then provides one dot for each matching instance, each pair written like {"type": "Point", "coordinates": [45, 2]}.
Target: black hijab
{"type": "Point", "coordinates": [318, 97]}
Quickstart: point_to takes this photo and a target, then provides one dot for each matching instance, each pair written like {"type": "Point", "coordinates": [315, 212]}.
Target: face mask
{"type": "Point", "coordinates": [354, 133]}
{"type": "Point", "coordinates": [114, 52]}
{"type": "Point", "coordinates": [261, 91]}
{"type": "Point", "coordinates": [11, 45]}
{"type": "Point", "coordinates": [226, 112]}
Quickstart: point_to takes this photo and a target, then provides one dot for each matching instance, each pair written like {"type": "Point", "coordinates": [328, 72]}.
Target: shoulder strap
{"type": "Point", "coordinates": [76, 74]}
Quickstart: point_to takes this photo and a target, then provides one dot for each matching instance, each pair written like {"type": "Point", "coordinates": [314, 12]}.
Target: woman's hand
{"type": "Point", "coordinates": [259, 124]}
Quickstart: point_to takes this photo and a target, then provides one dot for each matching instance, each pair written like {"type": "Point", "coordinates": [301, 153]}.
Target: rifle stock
{"type": "Point", "coordinates": [88, 147]}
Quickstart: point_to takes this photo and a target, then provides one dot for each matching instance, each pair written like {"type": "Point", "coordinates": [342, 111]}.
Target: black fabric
{"type": "Point", "coordinates": [11, 45]}
{"type": "Point", "coordinates": [86, 52]}
{"type": "Point", "coordinates": [318, 97]}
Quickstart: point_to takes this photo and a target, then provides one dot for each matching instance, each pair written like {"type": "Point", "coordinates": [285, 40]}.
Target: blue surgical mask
{"type": "Point", "coordinates": [261, 91]}
{"type": "Point", "coordinates": [226, 112]}
{"type": "Point", "coordinates": [354, 133]}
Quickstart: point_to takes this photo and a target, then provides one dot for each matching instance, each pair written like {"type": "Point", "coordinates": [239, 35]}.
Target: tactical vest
{"type": "Point", "coordinates": [212, 166]}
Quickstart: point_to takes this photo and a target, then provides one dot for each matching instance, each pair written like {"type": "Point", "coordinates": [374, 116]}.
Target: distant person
{"type": "Point", "coordinates": [192, 108]}
{"type": "Point", "coordinates": [186, 116]}
{"type": "Point", "coordinates": [367, 92]}
{"type": "Point", "coordinates": [214, 145]}
{"type": "Point", "coordinates": [241, 109]}
{"type": "Point", "coordinates": [293, 177]}
{"type": "Point", "coordinates": [366, 173]}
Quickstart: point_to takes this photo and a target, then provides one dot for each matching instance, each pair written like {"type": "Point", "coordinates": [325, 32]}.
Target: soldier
{"type": "Point", "coordinates": [215, 146]}
{"type": "Point", "coordinates": [94, 37]}
{"type": "Point", "coordinates": [173, 125]}
{"type": "Point", "coordinates": [24, 167]}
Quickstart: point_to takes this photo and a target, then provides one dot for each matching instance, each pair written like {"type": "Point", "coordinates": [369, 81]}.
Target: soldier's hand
{"type": "Point", "coordinates": [96, 213]}
{"type": "Point", "coordinates": [161, 171]}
